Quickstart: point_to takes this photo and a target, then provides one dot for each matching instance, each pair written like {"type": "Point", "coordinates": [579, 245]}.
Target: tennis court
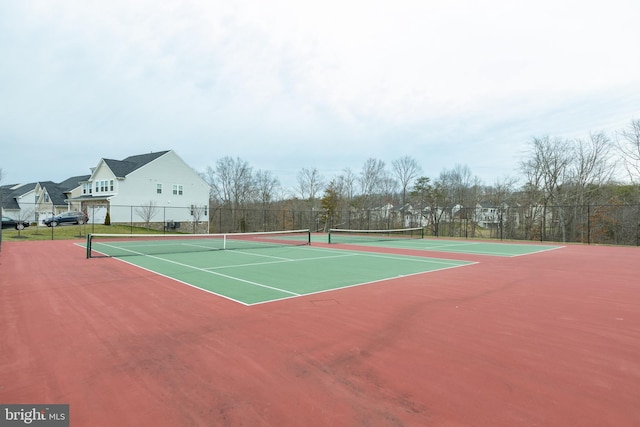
{"type": "Point", "coordinates": [549, 339]}
{"type": "Point", "coordinates": [255, 268]}
{"type": "Point", "coordinates": [412, 239]}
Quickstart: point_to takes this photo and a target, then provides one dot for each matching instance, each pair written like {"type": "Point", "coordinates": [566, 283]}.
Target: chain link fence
{"type": "Point", "coordinates": [593, 224]}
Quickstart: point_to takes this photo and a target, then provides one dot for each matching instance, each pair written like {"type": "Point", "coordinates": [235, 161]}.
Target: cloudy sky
{"type": "Point", "coordinates": [290, 84]}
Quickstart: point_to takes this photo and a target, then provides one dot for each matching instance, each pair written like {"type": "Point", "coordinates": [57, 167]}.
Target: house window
{"type": "Point", "coordinates": [177, 190]}
{"type": "Point", "coordinates": [159, 188]}
{"type": "Point", "coordinates": [111, 185]}
{"type": "Point", "coordinates": [103, 185]}
{"type": "Point", "coordinates": [97, 186]}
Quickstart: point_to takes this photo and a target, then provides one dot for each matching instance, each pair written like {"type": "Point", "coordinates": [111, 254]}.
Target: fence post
{"type": "Point", "coordinates": [0, 215]}
{"type": "Point", "coordinates": [588, 224]}
{"type": "Point", "coordinates": [88, 245]}
{"type": "Point", "coordinates": [638, 228]}
{"type": "Point", "coordinates": [466, 226]}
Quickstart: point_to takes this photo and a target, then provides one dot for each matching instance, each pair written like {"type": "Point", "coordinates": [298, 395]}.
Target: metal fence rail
{"type": "Point", "coordinates": [594, 224]}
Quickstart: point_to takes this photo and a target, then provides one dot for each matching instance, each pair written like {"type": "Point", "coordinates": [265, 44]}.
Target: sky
{"type": "Point", "coordinates": [290, 84]}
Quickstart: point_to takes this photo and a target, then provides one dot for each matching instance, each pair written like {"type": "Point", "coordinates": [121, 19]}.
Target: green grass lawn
{"type": "Point", "coordinates": [69, 232]}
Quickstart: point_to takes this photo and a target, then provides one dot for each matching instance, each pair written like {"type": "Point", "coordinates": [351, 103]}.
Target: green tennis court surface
{"type": "Point", "coordinates": [259, 275]}
{"type": "Point", "coordinates": [442, 245]}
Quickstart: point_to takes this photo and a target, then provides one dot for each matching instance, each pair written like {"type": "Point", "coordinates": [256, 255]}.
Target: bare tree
{"type": "Point", "coordinates": [430, 200]}
{"type": "Point", "coordinates": [147, 211]}
{"type": "Point", "coordinates": [549, 161]}
{"type": "Point", "coordinates": [406, 169]}
{"type": "Point", "coordinates": [460, 186]}
{"type": "Point", "coordinates": [591, 165]}
{"type": "Point", "coordinates": [231, 181]}
{"type": "Point", "coordinates": [462, 193]}
{"type": "Point", "coordinates": [532, 194]}
{"type": "Point", "coordinates": [500, 196]}
{"type": "Point", "coordinates": [501, 191]}
{"type": "Point", "coordinates": [388, 187]}
{"type": "Point", "coordinates": [232, 184]}
{"type": "Point", "coordinates": [266, 186]}
{"type": "Point", "coordinates": [23, 215]}
{"type": "Point", "coordinates": [310, 183]}
{"type": "Point", "coordinates": [551, 157]}
{"type": "Point", "coordinates": [197, 212]}
{"type": "Point", "coordinates": [629, 146]}
{"type": "Point", "coordinates": [348, 180]}
{"type": "Point", "coordinates": [371, 179]}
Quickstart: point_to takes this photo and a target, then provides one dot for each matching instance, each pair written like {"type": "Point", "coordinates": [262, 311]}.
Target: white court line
{"type": "Point", "coordinates": [207, 271]}
{"type": "Point", "coordinates": [344, 254]}
{"type": "Point", "coordinates": [282, 261]}
{"type": "Point", "coordinates": [416, 258]}
{"type": "Point", "coordinates": [419, 244]}
{"type": "Point", "coordinates": [185, 283]}
{"type": "Point", "coordinates": [224, 275]}
{"type": "Point", "coordinates": [494, 253]}
{"type": "Point", "coordinates": [541, 250]}
{"type": "Point", "coordinates": [262, 255]}
{"type": "Point", "coordinates": [361, 284]}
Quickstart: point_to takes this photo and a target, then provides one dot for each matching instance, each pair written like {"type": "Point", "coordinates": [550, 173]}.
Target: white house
{"type": "Point", "coordinates": [18, 201]}
{"type": "Point", "coordinates": [155, 187]}
{"type": "Point", "coordinates": [39, 200]}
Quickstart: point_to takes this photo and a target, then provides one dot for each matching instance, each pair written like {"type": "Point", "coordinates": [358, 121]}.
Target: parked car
{"type": "Point", "coordinates": [72, 217]}
{"type": "Point", "coordinates": [14, 223]}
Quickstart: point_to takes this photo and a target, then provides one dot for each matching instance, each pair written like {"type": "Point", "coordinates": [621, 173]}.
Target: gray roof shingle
{"type": "Point", "coordinates": [11, 193]}
{"type": "Point", "coordinates": [56, 191]}
{"type": "Point", "coordinates": [122, 168]}
{"type": "Point", "coordinates": [71, 183]}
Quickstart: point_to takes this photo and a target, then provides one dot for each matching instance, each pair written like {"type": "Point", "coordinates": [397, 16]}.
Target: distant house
{"type": "Point", "coordinates": [17, 199]}
{"type": "Point", "coordinates": [53, 198]}
{"type": "Point", "coordinates": [488, 215]}
{"type": "Point", "coordinates": [406, 216]}
{"type": "Point", "coordinates": [146, 188]}
{"type": "Point", "coordinates": [37, 200]}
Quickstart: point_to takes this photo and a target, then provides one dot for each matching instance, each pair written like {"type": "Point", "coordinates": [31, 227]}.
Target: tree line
{"type": "Point", "coordinates": [595, 169]}
{"type": "Point", "coordinates": [565, 189]}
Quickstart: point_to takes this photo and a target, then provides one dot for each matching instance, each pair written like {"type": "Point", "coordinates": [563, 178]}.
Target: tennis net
{"type": "Point", "coordinates": [120, 245]}
{"type": "Point", "coordinates": [342, 235]}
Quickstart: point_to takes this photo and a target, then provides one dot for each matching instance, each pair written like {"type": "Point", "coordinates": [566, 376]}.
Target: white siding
{"type": "Point", "coordinates": [140, 187]}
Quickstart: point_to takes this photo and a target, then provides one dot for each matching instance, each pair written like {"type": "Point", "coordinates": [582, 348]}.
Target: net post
{"type": "Point", "coordinates": [422, 233]}
{"type": "Point", "coordinates": [329, 237]}
{"type": "Point", "coordinates": [309, 238]}
{"type": "Point", "coordinates": [224, 242]}
{"type": "Point", "coordinates": [88, 245]}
